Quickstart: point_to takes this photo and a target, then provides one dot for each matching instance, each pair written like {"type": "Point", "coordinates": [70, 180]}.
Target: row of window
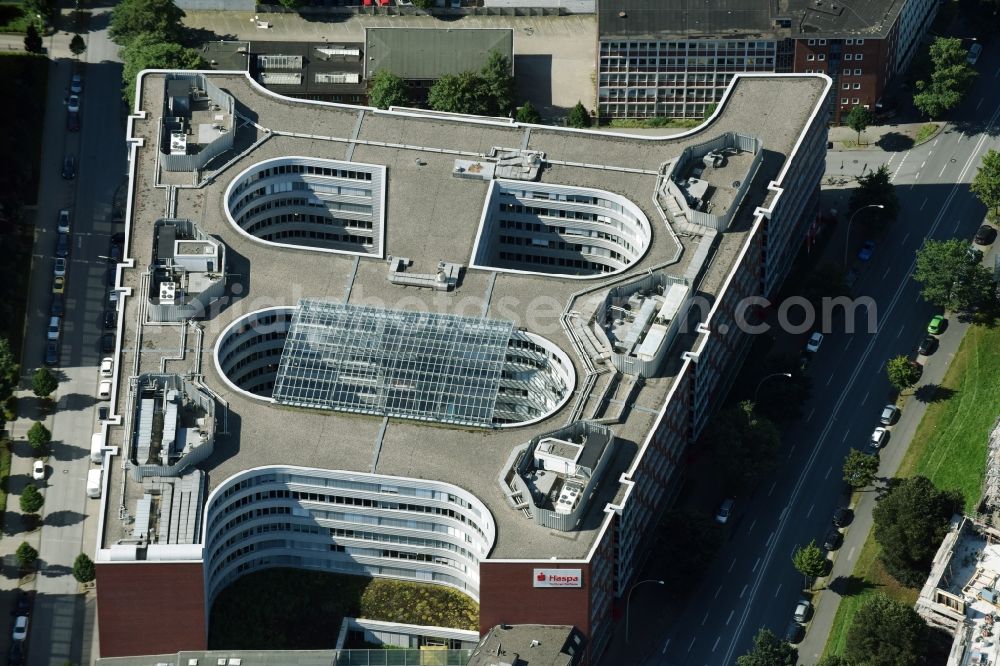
{"type": "Point", "coordinates": [693, 45]}
{"type": "Point", "coordinates": [845, 101]}
{"type": "Point", "coordinates": [711, 63]}
{"type": "Point", "coordinates": [252, 341]}
{"type": "Point", "coordinates": [281, 204]}
{"type": "Point", "coordinates": [555, 261]}
{"type": "Point", "coordinates": [302, 218]}
{"type": "Point", "coordinates": [848, 42]}
{"type": "Point", "coordinates": [329, 172]}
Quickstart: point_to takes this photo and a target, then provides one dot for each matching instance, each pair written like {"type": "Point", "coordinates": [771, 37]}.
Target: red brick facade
{"type": "Point", "coordinates": [150, 608]}
{"type": "Point", "coordinates": [860, 82]}
{"type": "Point", "coordinates": [509, 596]}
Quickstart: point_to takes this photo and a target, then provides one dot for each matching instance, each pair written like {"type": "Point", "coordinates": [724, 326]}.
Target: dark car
{"type": "Point", "coordinates": [108, 343]}
{"type": "Point", "coordinates": [15, 657]}
{"type": "Point", "coordinates": [833, 539]}
{"type": "Point", "coordinates": [73, 122]}
{"type": "Point", "coordinates": [110, 319]}
{"type": "Point", "coordinates": [928, 346]}
{"type": "Point", "coordinates": [103, 413]}
{"type": "Point", "coordinates": [118, 238]}
{"type": "Point", "coordinates": [69, 167]}
{"type": "Point", "coordinates": [58, 307]}
{"type": "Point", "coordinates": [52, 352]}
{"type": "Point", "coordinates": [115, 253]}
{"type": "Point", "coordinates": [842, 516]}
{"type": "Point", "coordinates": [109, 277]}
{"type": "Point", "coordinates": [62, 245]}
{"type": "Point", "coordinates": [22, 604]}
{"type": "Point", "coordinates": [795, 633]}
{"type": "Point", "coordinates": [985, 235]}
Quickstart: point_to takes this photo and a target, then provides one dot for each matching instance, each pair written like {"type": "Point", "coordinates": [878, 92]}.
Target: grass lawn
{"type": "Point", "coordinates": [925, 132]}
{"type": "Point", "coordinates": [655, 122]}
{"type": "Point", "coordinates": [949, 448]}
{"type": "Point", "coordinates": [4, 475]}
{"type": "Point", "coordinates": [13, 18]}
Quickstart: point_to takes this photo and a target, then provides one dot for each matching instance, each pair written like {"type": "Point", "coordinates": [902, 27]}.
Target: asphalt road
{"type": "Point", "coordinates": [752, 583]}
{"type": "Point", "coordinates": [61, 624]}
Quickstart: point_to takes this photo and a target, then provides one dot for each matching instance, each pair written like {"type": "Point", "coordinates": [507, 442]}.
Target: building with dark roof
{"type": "Point", "coordinates": [674, 58]}
{"type": "Point", "coordinates": [325, 71]}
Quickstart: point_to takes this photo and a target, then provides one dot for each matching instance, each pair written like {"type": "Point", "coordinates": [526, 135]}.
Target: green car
{"type": "Point", "coordinates": [937, 323]}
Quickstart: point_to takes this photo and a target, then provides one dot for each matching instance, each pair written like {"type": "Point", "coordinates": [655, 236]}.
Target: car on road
{"type": "Point", "coordinates": [107, 343]}
{"type": "Point", "coordinates": [104, 390]}
{"type": "Point", "coordinates": [54, 329]}
{"type": "Point", "coordinates": [878, 438]}
{"type": "Point", "coordinates": [110, 319]}
{"type": "Point", "coordinates": [938, 322]}
{"type": "Point", "coordinates": [69, 167]}
{"type": "Point", "coordinates": [115, 253]}
{"type": "Point", "coordinates": [725, 511]}
{"type": "Point", "coordinates": [833, 539]}
{"type": "Point", "coordinates": [62, 245]}
{"type": "Point", "coordinates": [795, 633]}
{"type": "Point", "coordinates": [15, 656]}
{"type": "Point", "coordinates": [58, 285]}
{"type": "Point", "coordinates": [20, 631]}
{"type": "Point", "coordinates": [51, 352]}
{"type": "Point", "coordinates": [76, 84]}
{"type": "Point", "coordinates": [110, 276]}
{"type": "Point", "coordinates": [973, 54]}
{"type": "Point", "coordinates": [57, 308]}
{"type": "Point", "coordinates": [73, 104]}
{"type": "Point", "coordinates": [59, 268]}
{"type": "Point", "coordinates": [22, 604]}
{"type": "Point", "coordinates": [107, 367]}
{"type": "Point", "coordinates": [890, 413]}
{"type": "Point", "coordinates": [985, 235]}
{"type": "Point", "coordinates": [803, 610]}
{"type": "Point", "coordinates": [842, 517]}
{"type": "Point", "coordinates": [815, 340]}
{"type": "Point", "coordinates": [62, 225]}
{"type": "Point", "coordinates": [73, 122]}
{"type": "Point", "coordinates": [927, 346]}
{"type": "Point", "coordinates": [867, 250]}
{"type": "Point", "coordinates": [38, 471]}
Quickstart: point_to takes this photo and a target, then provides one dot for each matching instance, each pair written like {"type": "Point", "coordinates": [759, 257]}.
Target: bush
{"type": "Point", "coordinates": [26, 555]}
{"type": "Point", "coordinates": [31, 499]}
{"type": "Point", "coordinates": [83, 569]}
{"type": "Point", "coordinates": [415, 603]}
{"type": "Point", "coordinates": [39, 437]}
{"type": "Point", "coordinates": [44, 383]}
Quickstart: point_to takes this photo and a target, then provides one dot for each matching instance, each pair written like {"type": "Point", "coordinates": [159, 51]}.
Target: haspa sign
{"type": "Point", "coordinates": [558, 578]}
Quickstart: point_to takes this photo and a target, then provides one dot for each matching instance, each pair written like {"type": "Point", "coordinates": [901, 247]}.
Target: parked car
{"type": "Point", "coordinates": [73, 104]}
{"type": "Point", "coordinates": [76, 84]}
{"type": "Point", "coordinates": [725, 511]}
{"type": "Point", "coordinates": [107, 367]}
{"type": "Point", "coordinates": [878, 437]}
{"type": "Point", "coordinates": [69, 167]}
{"type": "Point", "coordinates": [54, 329]}
{"type": "Point", "coordinates": [985, 234]}
{"type": "Point", "coordinates": [57, 308]}
{"type": "Point", "coordinates": [73, 122]}
{"type": "Point", "coordinates": [927, 346]}
{"type": "Point", "coordinates": [815, 340]}
{"type": "Point", "coordinates": [107, 343]}
{"type": "Point", "coordinates": [20, 631]}
{"type": "Point", "coordinates": [62, 245]}
{"type": "Point", "coordinates": [58, 285]}
{"type": "Point", "coordinates": [867, 250]}
{"type": "Point", "coordinates": [51, 352]}
{"type": "Point", "coordinates": [795, 633]}
{"type": "Point", "coordinates": [62, 225]}
{"type": "Point", "coordinates": [59, 268]}
{"type": "Point", "coordinates": [890, 413]}
{"type": "Point", "coordinates": [104, 390]}
{"type": "Point", "coordinates": [938, 323]}
{"type": "Point", "coordinates": [103, 413]}
{"type": "Point", "coordinates": [114, 253]}
{"type": "Point", "coordinates": [38, 471]}
{"type": "Point", "coordinates": [842, 517]}
{"type": "Point", "coordinates": [110, 319]}
{"type": "Point", "coordinates": [833, 539]}
{"type": "Point", "coordinates": [803, 610]}
{"type": "Point", "coordinates": [22, 604]}
{"type": "Point", "coordinates": [110, 276]}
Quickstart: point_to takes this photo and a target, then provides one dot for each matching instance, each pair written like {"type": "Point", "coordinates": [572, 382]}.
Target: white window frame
{"type": "Point", "coordinates": [859, 42]}
{"type": "Point", "coordinates": [844, 100]}
{"type": "Point", "coordinates": [858, 56]}
{"type": "Point", "coordinates": [822, 42]}
{"type": "Point", "coordinates": [847, 86]}
{"type": "Point", "coordinates": [810, 57]}
{"type": "Point", "coordinates": [856, 101]}
{"type": "Point", "coordinates": [821, 56]}
{"type": "Point", "coordinates": [847, 56]}
{"type": "Point", "coordinates": [857, 72]}
{"type": "Point", "coordinates": [849, 42]}
{"type": "Point", "coordinates": [811, 42]}
{"type": "Point", "coordinates": [857, 86]}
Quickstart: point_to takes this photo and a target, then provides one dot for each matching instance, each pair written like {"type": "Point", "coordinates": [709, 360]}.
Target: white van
{"type": "Point", "coordinates": [96, 447]}
{"type": "Point", "coordinates": [94, 479]}
{"type": "Point", "coordinates": [104, 390]}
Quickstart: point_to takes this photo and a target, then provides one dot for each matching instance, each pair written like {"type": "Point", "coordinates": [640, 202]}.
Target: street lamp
{"type": "Point", "coordinates": [787, 375]}
{"type": "Point", "coordinates": [628, 599]}
{"type": "Point", "coordinates": [847, 240]}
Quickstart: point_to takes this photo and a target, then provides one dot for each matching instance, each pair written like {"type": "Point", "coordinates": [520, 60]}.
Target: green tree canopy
{"type": "Point", "coordinates": [910, 521]}
{"type": "Point", "coordinates": [31, 499]}
{"type": "Point", "coordinates": [44, 8]}
{"type": "Point", "coordinates": [528, 113]}
{"type": "Point", "coordinates": [948, 278]}
{"type": "Point", "coordinates": [149, 52]}
{"type": "Point", "coordinates": [680, 561]}
{"type": "Point", "coordinates": [951, 78]}
{"type": "Point", "coordinates": [39, 436]}
{"type": "Point", "coordinates": [875, 188]}
{"type": "Point", "coordinates": [745, 445]}
{"type": "Point", "coordinates": [768, 650]}
{"type": "Point", "coordinates": [83, 569]}
{"type": "Point", "coordinates": [498, 82]}
{"type": "Point", "coordinates": [385, 89]}
{"type": "Point", "coordinates": [578, 116]}
{"type": "Point", "coordinates": [826, 281]}
{"type": "Point", "coordinates": [859, 119]}
{"type": "Point", "coordinates": [32, 40]}
{"type": "Point", "coordinates": [10, 372]}
{"type": "Point", "coordinates": [860, 468]}
{"type": "Point", "coordinates": [466, 92]}
{"type": "Point", "coordinates": [986, 184]}
{"type": "Point", "coordinates": [77, 45]}
{"type": "Point", "coordinates": [809, 560]}
{"type": "Point", "coordinates": [833, 660]}
{"type": "Point", "coordinates": [903, 373]}
{"type": "Point", "coordinates": [26, 555]}
{"type": "Point", "coordinates": [158, 19]}
{"type": "Point", "coordinates": [44, 383]}
{"type": "Point", "coordinates": [886, 632]}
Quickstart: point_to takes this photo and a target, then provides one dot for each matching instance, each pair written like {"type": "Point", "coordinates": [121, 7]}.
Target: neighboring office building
{"type": "Point", "coordinates": [467, 435]}
{"type": "Point", "coordinates": [324, 71]}
{"type": "Point", "coordinates": [674, 58]}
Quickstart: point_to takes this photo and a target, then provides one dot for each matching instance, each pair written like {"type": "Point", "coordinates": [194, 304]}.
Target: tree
{"type": "Point", "coordinates": [10, 372]}
{"type": "Point", "coordinates": [809, 560]}
{"type": "Point", "coordinates": [744, 444]}
{"type": "Point", "coordinates": [951, 77]}
{"type": "Point", "coordinates": [423, 4]}
{"type": "Point", "coordinates": [986, 184]}
{"type": "Point", "coordinates": [31, 499]}
{"type": "Point", "coordinates": [39, 436]}
{"type": "Point", "coordinates": [903, 373]}
{"type": "Point", "coordinates": [875, 187]}
{"type": "Point", "coordinates": [460, 93]}
{"type": "Point", "coordinates": [43, 8]}
{"type": "Point", "coordinates": [768, 650]}
{"type": "Point", "coordinates": [528, 113]}
{"type": "Point", "coordinates": [833, 660]}
{"type": "Point", "coordinates": [159, 19]}
{"type": "Point", "coordinates": [26, 555]}
{"type": "Point", "coordinates": [780, 399]}
{"type": "Point", "coordinates": [292, 4]}
{"type": "Point", "coordinates": [681, 561]}
{"type": "Point", "coordinates": [578, 116]}
{"type": "Point", "coordinates": [44, 383]}
{"type": "Point", "coordinates": [385, 89]}
{"type": "Point", "coordinates": [83, 569]}
{"type": "Point", "coordinates": [910, 521]}
{"type": "Point", "coordinates": [32, 40]}
{"type": "Point", "coordinates": [859, 119]}
{"type": "Point", "coordinates": [886, 632]}
{"type": "Point", "coordinates": [498, 82]}
{"type": "Point", "coordinates": [947, 276]}
{"type": "Point", "coordinates": [860, 469]}
{"type": "Point", "coordinates": [826, 281]}
{"type": "Point", "coordinates": [77, 45]}
{"type": "Point", "coordinates": [148, 52]}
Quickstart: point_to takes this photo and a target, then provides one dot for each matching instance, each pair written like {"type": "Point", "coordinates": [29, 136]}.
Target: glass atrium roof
{"type": "Point", "coordinates": [415, 365]}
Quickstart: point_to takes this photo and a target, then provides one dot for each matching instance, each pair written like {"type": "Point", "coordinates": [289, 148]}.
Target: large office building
{"type": "Point", "coordinates": [462, 351]}
{"type": "Point", "coordinates": [675, 58]}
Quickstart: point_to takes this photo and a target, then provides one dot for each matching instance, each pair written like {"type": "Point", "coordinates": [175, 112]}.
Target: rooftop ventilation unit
{"type": "Point", "coordinates": [168, 293]}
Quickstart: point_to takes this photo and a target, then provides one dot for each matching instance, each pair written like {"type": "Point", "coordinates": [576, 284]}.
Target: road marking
{"type": "Point", "coordinates": [901, 329]}
{"type": "Point", "coordinates": [918, 298]}
{"type": "Point", "coordinates": [777, 591]}
{"type": "Point", "coordinates": [770, 537]}
{"type": "Point", "coordinates": [850, 339]}
{"type": "Point", "coordinates": [791, 450]}
{"type": "Point", "coordinates": [729, 619]}
{"type": "Point", "coordinates": [718, 591]}
{"type": "Point", "coordinates": [905, 237]}
{"type": "Point", "coordinates": [915, 177]}
{"type": "Point", "coordinates": [692, 643]}
{"type": "Point", "coordinates": [770, 491]}
{"type": "Point", "coordinates": [731, 566]}
{"type": "Point", "coordinates": [924, 164]}
{"type": "Point", "coordinates": [939, 175]}
{"type": "Point", "coordinates": [800, 482]}
{"type": "Point", "coordinates": [828, 472]}
{"type": "Point", "coordinates": [850, 554]}
{"type": "Point", "coordinates": [810, 511]}
{"type": "Point", "coordinates": [743, 591]}
{"type": "Point", "coordinates": [866, 397]}
{"type": "Point", "coordinates": [829, 380]}
{"type": "Point", "coordinates": [980, 103]}
{"type": "Point", "coordinates": [886, 274]}
{"type": "Point", "coordinates": [753, 523]}
{"type": "Point", "coordinates": [811, 412]}
{"type": "Point", "coordinates": [665, 646]}
{"type": "Point", "coordinates": [756, 564]}
{"type": "Point", "coordinates": [900, 166]}
{"type": "Point", "coordinates": [717, 639]}
{"type": "Point", "coordinates": [879, 371]}
{"type": "Point", "coordinates": [704, 620]}
{"type": "Point", "coordinates": [958, 224]}
{"type": "Point", "coordinates": [845, 436]}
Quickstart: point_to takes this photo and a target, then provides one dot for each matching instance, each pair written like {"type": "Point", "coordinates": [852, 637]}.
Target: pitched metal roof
{"type": "Point", "coordinates": [430, 53]}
